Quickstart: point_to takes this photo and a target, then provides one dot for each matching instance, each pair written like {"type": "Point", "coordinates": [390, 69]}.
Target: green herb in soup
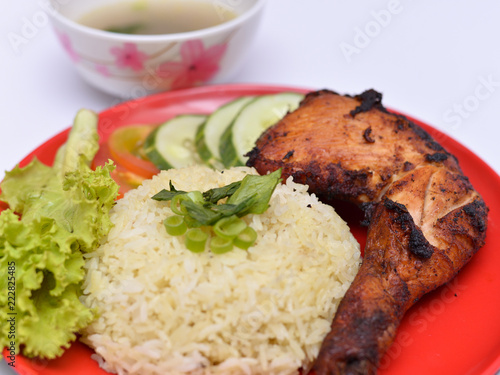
{"type": "Point", "coordinates": [150, 17]}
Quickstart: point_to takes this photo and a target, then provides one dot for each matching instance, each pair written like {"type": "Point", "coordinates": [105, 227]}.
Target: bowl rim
{"type": "Point", "coordinates": [196, 34]}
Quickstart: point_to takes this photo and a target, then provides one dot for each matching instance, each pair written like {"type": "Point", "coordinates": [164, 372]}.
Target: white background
{"type": "Point", "coordinates": [436, 61]}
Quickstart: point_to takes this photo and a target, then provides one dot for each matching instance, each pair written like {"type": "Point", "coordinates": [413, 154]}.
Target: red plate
{"type": "Point", "coordinates": [453, 330]}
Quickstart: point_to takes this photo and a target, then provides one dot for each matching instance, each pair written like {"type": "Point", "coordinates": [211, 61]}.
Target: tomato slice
{"type": "Point", "coordinates": [126, 179]}
{"type": "Point", "coordinates": [125, 148]}
{"type": "Point", "coordinates": [3, 206]}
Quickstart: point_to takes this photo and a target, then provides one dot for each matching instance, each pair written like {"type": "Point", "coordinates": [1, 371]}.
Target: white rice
{"type": "Point", "coordinates": [165, 310]}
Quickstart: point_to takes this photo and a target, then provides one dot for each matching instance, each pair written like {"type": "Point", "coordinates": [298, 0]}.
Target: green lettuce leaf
{"type": "Point", "coordinates": [64, 212]}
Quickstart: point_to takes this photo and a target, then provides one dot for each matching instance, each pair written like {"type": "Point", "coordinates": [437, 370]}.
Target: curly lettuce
{"type": "Point", "coordinates": [55, 215]}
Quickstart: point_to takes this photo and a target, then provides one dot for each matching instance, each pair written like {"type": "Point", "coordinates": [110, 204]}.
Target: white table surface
{"type": "Point", "coordinates": [436, 61]}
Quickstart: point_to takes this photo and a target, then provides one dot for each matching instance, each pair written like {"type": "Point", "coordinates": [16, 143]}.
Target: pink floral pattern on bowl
{"type": "Point", "coordinates": [103, 70]}
{"type": "Point", "coordinates": [195, 64]}
{"type": "Point", "coordinates": [67, 46]}
{"type": "Point", "coordinates": [198, 64]}
{"type": "Point", "coordinates": [130, 66]}
{"type": "Point", "coordinates": [129, 56]}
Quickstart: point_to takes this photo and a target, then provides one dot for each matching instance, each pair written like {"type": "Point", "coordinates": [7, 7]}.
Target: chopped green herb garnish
{"type": "Point", "coordinates": [229, 227]}
{"type": "Point", "coordinates": [195, 240]}
{"type": "Point", "coordinates": [175, 225]}
{"type": "Point", "coordinates": [219, 245]}
{"type": "Point", "coordinates": [191, 223]}
{"type": "Point", "coordinates": [166, 195]}
{"type": "Point", "coordinates": [177, 205]}
{"type": "Point", "coordinates": [262, 187]}
{"type": "Point", "coordinates": [215, 195]}
{"type": "Point", "coordinates": [251, 195]}
{"type": "Point", "coordinates": [245, 238]}
{"type": "Point", "coordinates": [200, 213]}
{"type": "Point", "coordinates": [129, 29]}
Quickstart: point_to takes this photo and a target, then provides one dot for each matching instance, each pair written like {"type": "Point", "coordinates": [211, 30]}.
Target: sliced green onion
{"type": "Point", "coordinates": [175, 225]}
{"type": "Point", "coordinates": [196, 196]}
{"type": "Point", "coordinates": [220, 245]}
{"type": "Point", "coordinates": [176, 204]}
{"type": "Point", "coordinates": [246, 238]}
{"type": "Point", "coordinates": [229, 227]}
{"type": "Point", "coordinates": [192, 222]}
{"type": "Point", "coordinates": [195, 240]}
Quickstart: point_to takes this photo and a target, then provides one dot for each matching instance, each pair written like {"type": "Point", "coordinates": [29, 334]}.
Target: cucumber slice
{"type": "Point", "coordinates": [209, 134]}
{"type": "Point", "coordinates": [258, 115]}
{"type": "Point", "coordinates": [172, 144]}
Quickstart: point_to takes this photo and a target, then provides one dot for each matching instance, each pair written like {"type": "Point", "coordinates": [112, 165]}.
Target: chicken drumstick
{"type": "Point", "coordinates": [425, 219]}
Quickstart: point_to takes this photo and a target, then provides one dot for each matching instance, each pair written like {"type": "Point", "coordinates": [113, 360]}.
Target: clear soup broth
{"type": "Point", "coordinates": [157, 16]}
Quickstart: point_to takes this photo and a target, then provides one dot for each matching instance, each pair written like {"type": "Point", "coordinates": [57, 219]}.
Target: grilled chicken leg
{"type": "Point", "coordinates": [425, 220]}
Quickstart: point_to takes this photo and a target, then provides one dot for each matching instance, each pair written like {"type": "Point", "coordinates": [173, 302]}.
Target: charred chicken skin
{"type": "Point", "coordinates": [425, 220]}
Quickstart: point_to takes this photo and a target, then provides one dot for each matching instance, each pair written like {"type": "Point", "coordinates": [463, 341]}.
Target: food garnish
{"type": "Point", "coordinates": [221, 222]}
{"type": "Point", "coordinates": [208, 135]}
{"type": "Point", "coordinates": [219, 139]}
{"type": "Point", "coordinates": [196, 239]}
{"type": "Point", "coordinates": [128, 29]}
{"type": "Point", "coordinates": [172, 144]}
{"type": "Point", "coordinates": [255, 117]}
{"type": "Point", "coordinates": [63, 213]}
{"type": "Point", "coordinates": [126, 149]}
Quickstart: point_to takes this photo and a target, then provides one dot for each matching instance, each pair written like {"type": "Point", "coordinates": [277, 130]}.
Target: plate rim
{"type": "Point", "coordinates": [493, 365]}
